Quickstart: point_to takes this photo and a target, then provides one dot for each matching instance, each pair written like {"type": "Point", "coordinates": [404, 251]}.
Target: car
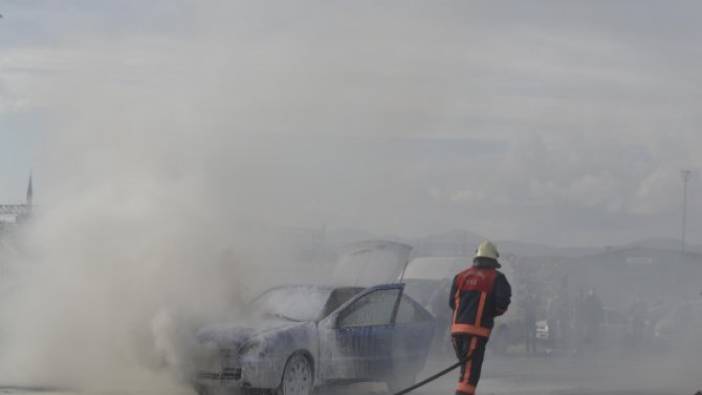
{"type": "Point", "coordinates": [299, 337]}
{"type": "Point", "coordinates": [681, 328]}
{"type": "Point", "coordinates": [615, 327]}
{"type": "Point", "coordinates": [542, 330]}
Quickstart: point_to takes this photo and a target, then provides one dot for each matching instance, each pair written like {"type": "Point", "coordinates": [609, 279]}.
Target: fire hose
{"type": "Point", "coordinates": [435, 376]}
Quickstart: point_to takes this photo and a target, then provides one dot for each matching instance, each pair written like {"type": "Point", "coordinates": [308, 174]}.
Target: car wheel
{"type": "Point", "coordinates": [297, 376]}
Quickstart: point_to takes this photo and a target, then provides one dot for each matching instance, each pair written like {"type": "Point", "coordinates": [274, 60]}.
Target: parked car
{"type": "Point", "coordinates": [543, 331]}
{"type": "Point", "coordinates": [681, 328]}
{"type": "Point", "coordinates": [298, 337]}
{"type": "Point", "coordinates": [615, 328]}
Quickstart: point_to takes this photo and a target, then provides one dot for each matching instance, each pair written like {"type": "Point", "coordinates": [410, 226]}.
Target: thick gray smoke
{"type": "Point", "coordinates": [173, 148]}
{"type": "Point", "coordinates": [153, 189]}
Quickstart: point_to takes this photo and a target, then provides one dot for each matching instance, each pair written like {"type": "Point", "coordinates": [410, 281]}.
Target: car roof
{"type": "Point", "coordinates": [317, 286]}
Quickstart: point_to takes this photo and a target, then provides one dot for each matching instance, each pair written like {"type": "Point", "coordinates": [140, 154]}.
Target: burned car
{"type": "Point", "coordinates": [299, 337]}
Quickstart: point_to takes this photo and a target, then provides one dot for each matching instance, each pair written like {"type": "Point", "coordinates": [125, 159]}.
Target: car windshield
{"type": "Point", "coordinates": [293, 303]}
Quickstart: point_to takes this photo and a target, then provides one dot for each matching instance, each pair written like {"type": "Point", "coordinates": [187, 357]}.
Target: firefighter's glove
{"type": "Point", "coordinates": [460, 345]}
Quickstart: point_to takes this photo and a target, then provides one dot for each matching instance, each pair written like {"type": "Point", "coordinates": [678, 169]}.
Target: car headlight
{"type": "Point", "coordinates": [250, 347]}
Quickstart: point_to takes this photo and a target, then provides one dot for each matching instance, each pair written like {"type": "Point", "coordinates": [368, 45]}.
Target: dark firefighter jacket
{"type": "Point", "coordinates": [478, 295]}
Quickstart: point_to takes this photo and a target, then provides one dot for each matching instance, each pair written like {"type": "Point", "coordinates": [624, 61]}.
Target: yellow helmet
{"type": "Point", "coordinates": [487, 250]}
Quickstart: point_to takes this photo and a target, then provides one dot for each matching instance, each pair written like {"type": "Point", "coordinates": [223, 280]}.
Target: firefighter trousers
{"type": "Point", "coordinates": [470, 349]}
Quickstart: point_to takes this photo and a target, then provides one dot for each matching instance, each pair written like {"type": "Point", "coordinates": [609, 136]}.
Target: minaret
{"type": "Point", "coordinates": [30, 192]}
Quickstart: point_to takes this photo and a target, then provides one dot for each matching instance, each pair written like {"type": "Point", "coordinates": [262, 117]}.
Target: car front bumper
{"type": "Point", "coordinates": [229, 375]}
{"type": "Point", "coordinates": [250, 373]}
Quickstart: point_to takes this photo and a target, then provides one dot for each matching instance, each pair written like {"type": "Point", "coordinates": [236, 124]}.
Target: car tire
{"type": "Point", "coordinates": [298, 377]}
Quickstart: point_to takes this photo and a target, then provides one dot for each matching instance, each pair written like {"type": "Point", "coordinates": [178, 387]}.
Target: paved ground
{"type": "Point", "coordinates": [642, 375]}
{"type": "Point", "coordinates": [575, 376]}
{"type": "Point", "coordinates": [591, 375]}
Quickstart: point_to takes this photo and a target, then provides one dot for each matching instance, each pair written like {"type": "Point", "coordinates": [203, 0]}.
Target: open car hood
{"type": "Point", "coordinates": [369, 263]}
{"type": "Point", "coordinates": [435, 268]}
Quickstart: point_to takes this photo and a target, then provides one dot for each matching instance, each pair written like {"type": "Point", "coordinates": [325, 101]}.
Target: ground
{"type": "Point", "coordinates": [588, 375]}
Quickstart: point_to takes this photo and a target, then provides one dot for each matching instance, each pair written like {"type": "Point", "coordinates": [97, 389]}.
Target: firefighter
{"type": "Point", "coordinates": [478, 295]}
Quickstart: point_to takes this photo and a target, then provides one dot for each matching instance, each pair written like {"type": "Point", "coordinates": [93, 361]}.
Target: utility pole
{"type": "Point", "coordinates": [686, 175]}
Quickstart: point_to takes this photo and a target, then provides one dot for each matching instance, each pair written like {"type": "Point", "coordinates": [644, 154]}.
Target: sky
{"type": "Point", "coordinates": [565, 123]}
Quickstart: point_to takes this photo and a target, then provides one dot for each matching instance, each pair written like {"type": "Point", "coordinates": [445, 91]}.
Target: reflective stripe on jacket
{"type": "Point", "coordinates": [478, 295]}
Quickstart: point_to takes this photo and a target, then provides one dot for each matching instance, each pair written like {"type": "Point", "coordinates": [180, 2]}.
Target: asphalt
{"type": "Point", "coordinates": [590, 375]}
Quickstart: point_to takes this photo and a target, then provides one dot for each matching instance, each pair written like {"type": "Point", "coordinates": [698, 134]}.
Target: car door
{"type": "Point", "coordinates": [413, 334]}
{"type": "Point", "coordinates": [357, 340]}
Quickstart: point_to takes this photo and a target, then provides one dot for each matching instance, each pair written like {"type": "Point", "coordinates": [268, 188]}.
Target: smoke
{"type": "Point", "coordinates": [104, 277]}
{"type": "Point", "coordinates": [172, 147]}
{"type": "Point", "coordinates": [152, 188]}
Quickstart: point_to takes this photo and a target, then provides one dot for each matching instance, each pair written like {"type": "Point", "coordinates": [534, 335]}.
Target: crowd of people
{"type": "Point", "coordinates": [580, 324]}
